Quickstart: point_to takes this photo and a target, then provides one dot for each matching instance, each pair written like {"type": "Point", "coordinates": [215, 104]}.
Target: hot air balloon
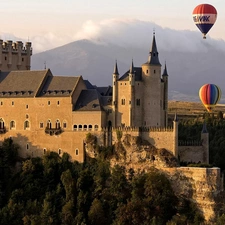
{"type": "Point", "coordinates": [209, 94]}
{"type": "Point", "coordinates": [204, 16]}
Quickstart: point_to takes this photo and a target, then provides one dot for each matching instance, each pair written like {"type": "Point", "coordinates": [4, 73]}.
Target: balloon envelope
{"type": "Point", "coordinates": [209, 94]}
{"type": "Point", "coordinates": [204, 16]}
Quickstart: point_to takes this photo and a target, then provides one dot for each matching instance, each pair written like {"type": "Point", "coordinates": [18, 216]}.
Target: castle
{"type": "Point", "coordinates": [43, 112]}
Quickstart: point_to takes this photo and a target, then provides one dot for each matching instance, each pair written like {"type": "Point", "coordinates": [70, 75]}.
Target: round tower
{"type": "Point", "coordinates": [151, 77]}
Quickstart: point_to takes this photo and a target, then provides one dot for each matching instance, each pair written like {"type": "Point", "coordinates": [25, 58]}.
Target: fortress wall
{"type": "Point", "coordinates": [193, 154]}
{"type": "Point", "coordinates": [201, 185]}
{"type": "Point", "coordinates": [160, 139]}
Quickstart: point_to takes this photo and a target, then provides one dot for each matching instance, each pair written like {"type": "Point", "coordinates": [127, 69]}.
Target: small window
{"type": "Point", "coordinates": [154, 71]}
{"type": "Point", "coordinates": [27, 116]}
{"type": "Point", "coordinates": [57, 124]}
{"type": "Point", "coordinates": [12, 103]}
{"type": "Point", "coordinates": [49, 103]}
{"type": "Point", "coordinates": [138, 101]}
{"type": "Point", "coordinates": [64, 125]}
{"type": "Point", "coordinates": [44, 151]}
{"type": "Point", "coordinates": [96, 127]}
{"type": "Point", "coordinates": [49, 124]}
{"type": "Point", "coordinates": [85, 127]}
{"type": "Point", "coordinates": [26, 125]}
{"type": "Point", "coordinates": [27, 106]}
{"type": "Point", "coordinates": [27, 146]}
{"type": "Point", "coordinates": [76, 152]}
{"type": "Point", "coordinates": [123, 101]}
{"type": "Point", "coordinates": [89, 127]}
{"type": "Point", "coordinates": [147, 71]}
{"type": "Point", "coordinates": [1, 103]}
{"type": "Point", "coordinates": [12, 125]}
{"type": "Point", "coordinates": [74, 127]}
{"type": "Point", "coordinates": [5, 58]}
{"type": "Point", "coordinates": [125, 83]}
{"type": "Point", "coordinates": [57, 102]}
{"type": "Point", "coordinates": [80, 127]}
{"type": "Point", "coordinates": [1, 124]}
{"type": "Point", "coordinates": [22, 59]}
{"type": "Point", "coordinates": [41, 125]}
{"type": "Point", "coordinates": [59, 151]}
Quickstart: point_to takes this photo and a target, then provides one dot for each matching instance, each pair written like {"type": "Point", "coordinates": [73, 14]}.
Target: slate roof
{"type": "Point", "coordinates": [21, 83]}
{"type": "Point", "coordinates": [105, 91]}
{"type": "Point", "coordinates": [59, 86]}
{"type": "Point", "coordinates": [137, 73]}
{"type": "Point", "coordinates": [89, 100]}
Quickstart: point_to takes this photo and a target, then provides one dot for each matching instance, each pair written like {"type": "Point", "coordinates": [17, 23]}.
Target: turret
{"type": "Point", "coordinates": [9, 47]}
{"type": "Point", "coordinates": [131, 75]}
{"type": "Point", "coordinates": [19, 48]}
{"type": "Point", "coordinates": [1, 42]}
{"type": "Point", "coordinates": [29, 53]}
{"type": "Point", "coordinates": [175, 136]}
{"type": "Point", "coordinates": [205, 143]}
{"type": "Point", "coordinates": [165, 94]}
{"type": "Point", "coordinates": [115, 93]}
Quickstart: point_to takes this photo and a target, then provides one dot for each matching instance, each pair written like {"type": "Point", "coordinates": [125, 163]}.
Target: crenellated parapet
{"type": "Point", "coordinates": [15, 55]}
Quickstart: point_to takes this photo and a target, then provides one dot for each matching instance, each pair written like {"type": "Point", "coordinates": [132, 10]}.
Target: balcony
{"type": "Point", "coordinates": [53, 131]}
{"type": "Point", "coordinates": [2, 130]}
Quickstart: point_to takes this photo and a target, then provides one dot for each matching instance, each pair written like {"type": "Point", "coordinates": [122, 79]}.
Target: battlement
{"type": "Point", "coordinates": [190, 143]}
{"type": "Point", "coordinates": [15, 55]}
{"type": "Point", "coordinates": [143, 129]}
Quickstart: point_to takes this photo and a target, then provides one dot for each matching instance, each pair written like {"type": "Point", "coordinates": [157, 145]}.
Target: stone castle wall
{"type": "Point", "coordinates": [201, 185]}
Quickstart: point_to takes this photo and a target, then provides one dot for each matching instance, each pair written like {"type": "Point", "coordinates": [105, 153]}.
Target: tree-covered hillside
{"type": "Point", "coordinates": [54, 190]}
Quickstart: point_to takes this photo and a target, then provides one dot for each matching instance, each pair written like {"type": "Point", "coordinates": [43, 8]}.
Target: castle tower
{"type": "Point", "coordinates": [165, 96]}
{"type": "Point", "coordinates": [115, 94]}
{"type": "Point", "coordinates": [205, 143]}
{"type": "Point", "coordinates": [132, 94]}
{"type": "Point", "coordinates": [175, 136]}
{"type": "Point", "coordinates": [152, 92]}
{"type": "Point", "coordinates": [13, 56]}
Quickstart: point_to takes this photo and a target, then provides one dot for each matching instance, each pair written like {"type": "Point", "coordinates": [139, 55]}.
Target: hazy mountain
{"type": "Point", "coordinates": [191, 61]}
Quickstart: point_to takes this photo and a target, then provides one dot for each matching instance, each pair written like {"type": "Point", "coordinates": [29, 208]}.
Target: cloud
{"type": "Point", "coordinates": [127, 33]}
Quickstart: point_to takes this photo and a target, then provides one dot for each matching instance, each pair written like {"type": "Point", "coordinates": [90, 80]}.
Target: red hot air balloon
{"type": "Point", "coordinates": [204, 16]}
{"type": "Point", "coordinates": [209, 94]}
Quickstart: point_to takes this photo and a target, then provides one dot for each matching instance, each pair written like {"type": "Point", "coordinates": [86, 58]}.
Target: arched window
{"type": "Point", "coordinates": [85, 127]}
{"type": "Point", "coordinates": [12, 125]}
{"type": "Point", "coordinates": [80, 127]}
{"type": "Point", "coordinates": [2, 125]}
{"type": "Point", "coordinates": [89, 127]}
{"type": "Point", "coordinates": [75, 127]}
{"type": "Point", "coordinates": [122, 101]}
{"type": "Point", "coordinates": [26, 125]}
{"type": "Point", "coordinates": [49, 124]}
{"type": "Point", "coordinates": [96, 127]}
{"type": "Point", "coordinates": [57, 124]}
{"type": "Point", "coordinates": [77, 151]}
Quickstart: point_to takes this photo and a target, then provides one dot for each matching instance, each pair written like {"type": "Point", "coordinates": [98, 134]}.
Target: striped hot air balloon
{"type": "Point", "coordinates": [204, 16]}
{"type": "Point", "coordinates": [209, 94]}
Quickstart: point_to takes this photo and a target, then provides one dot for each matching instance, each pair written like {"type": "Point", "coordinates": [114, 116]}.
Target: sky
{"type": "Point", "coordinates": [51, 23]}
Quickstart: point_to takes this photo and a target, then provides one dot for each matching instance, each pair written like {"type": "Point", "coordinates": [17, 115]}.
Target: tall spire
{"type": "Point", "coordinates": [132, 68]}
{"type": "Point", "coordinates": [153, 58]}
{"type": "Point", "coordinates": [116, 69]}
{"type": "Point", "coordinates": [165, 71]}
